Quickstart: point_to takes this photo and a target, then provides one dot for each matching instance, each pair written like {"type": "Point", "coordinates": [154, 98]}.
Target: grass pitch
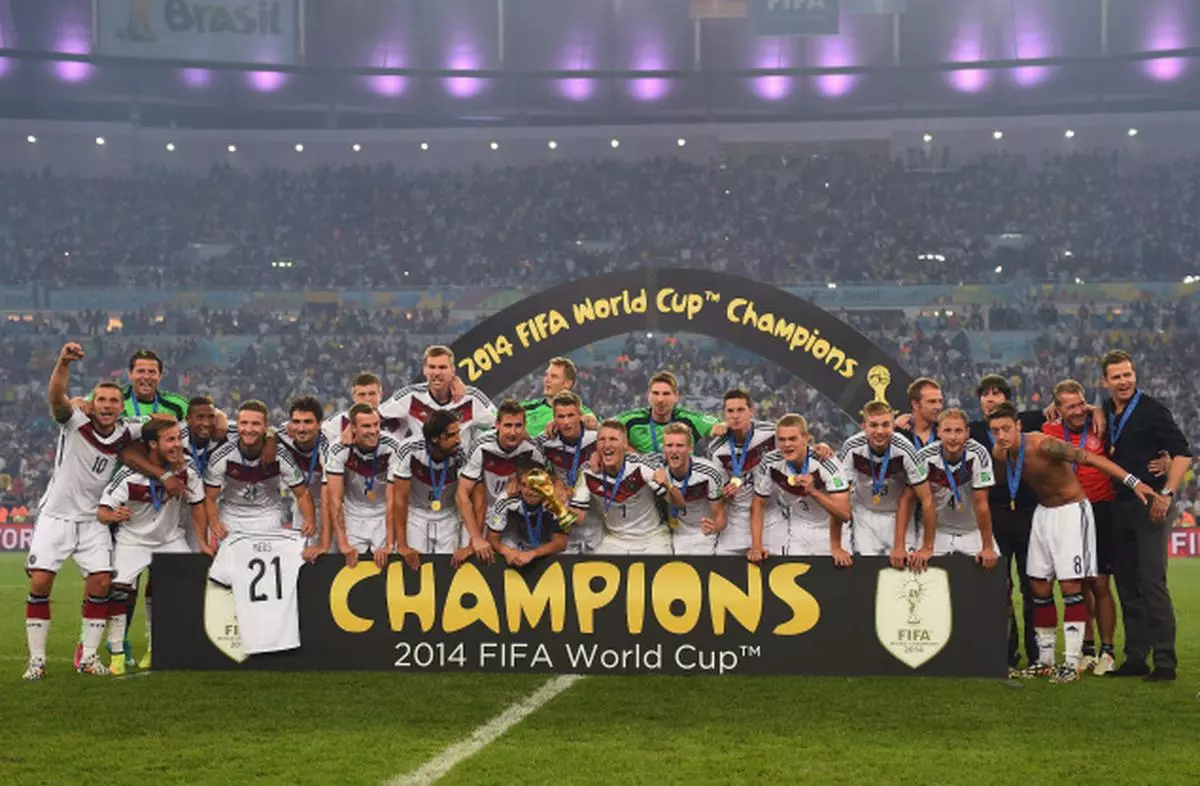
{"type": "Point", "coordinates": [369, 727]}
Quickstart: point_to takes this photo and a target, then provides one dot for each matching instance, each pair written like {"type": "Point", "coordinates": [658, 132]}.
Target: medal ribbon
{"type": "Point", "coordinates": [576, 452]}
{"type": "Point", "coordinates": [137, 410]}
{"type": "Point", "coordinates": [534, 536]}
{"type": "Point", "coordinates": [1118, 425]}
{"type": "Point", "coordinates": [158, 495]}
{"type": "Point", "coordinates": [803, 467]}
{"type": "Point", "coordinates": [877, 483]}
{"type": "Point", "coordinates": [370, 482]}
{"type": "Point", "coordinates": [438, 482]}
{"type": "Point", "coordinates": [738, 460]}
{"type": "Point", "coordinates": [1082, 439]}
{"type": "Point", "coordinates": [610, 501]}
{"type": "Point", "coordinates": [200, 459]}
{"type": "Point", "coordinates": [920, 443]}
{"type": "Point", "coordinates": [676, 511]}
{"type": "Point", "coordinates": [950, 471]}
{"type": "Point", "coordinates": [1014, 473]}
{"type": "Point", "coordinates": [313, 456]}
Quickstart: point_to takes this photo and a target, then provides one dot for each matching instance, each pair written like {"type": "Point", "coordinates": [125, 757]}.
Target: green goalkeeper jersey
{"type": "Point", "coordinates": [163, 401]}
{"type": "Point", "coordinates": [645, 435]}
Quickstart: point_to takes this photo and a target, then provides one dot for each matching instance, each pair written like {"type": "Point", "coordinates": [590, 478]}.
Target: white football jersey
{"type": "Point", "coordinates": [495, 466]}
{"type": "Point", "coordinates": [333, 427]}
{"type": "Point", "coordinates": [700, 487]}
{"type": "Point", "coordinates": [859, 462]}
{"type": "Point", "coordinates": [627, 502]}
{"type": "Point", "coordinates": [365, 475]}
{"type": "Point", "coordinates": [262, 568]}
{"type": "Point", "coordinates": [414, 403]}
{"type": "Point", "coordinates": [973, 470]}
{"type": "Point", "coordinates": [522, 526]}
{"type": "Point", "coordinates": [425, 475]}
{"type": "Point", "coordinates": [724, 451]}
{"type": "Point", "coordinates": [84, 462]}
{"type": "Point", "coordinates": [568, 460]}
{"type": "Point", "coordinates": [251, 492]}
{"type": "Point", "coordinates": [154, 518]}
{"type": "Point", "coordinates": [772, 482]}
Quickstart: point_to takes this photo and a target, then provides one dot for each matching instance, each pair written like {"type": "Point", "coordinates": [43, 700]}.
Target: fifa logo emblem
{"type": "Point", "coordinates": [914, 591]}
{"type": "Point", "coordinates": [913, 614]}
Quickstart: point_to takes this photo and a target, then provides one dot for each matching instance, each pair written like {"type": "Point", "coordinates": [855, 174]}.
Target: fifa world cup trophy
{"type": "Point", "coordinates": [540, 482]}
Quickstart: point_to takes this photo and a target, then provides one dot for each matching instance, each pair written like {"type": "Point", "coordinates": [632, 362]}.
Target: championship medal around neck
{"type": "Point", "coordinates": [736, 482]}
{"type": "Point", "coordinates": [436, 505]}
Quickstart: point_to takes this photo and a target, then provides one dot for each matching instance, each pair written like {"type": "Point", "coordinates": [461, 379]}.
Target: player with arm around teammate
{"type": "Point", "coordinates": [961, 475]}
{"type": "Point", "coordinates": [1062, 540]}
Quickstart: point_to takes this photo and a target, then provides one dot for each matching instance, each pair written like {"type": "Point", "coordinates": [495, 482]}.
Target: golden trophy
{"type": "Point", "coordinates": [878, 377]}
{"type": "Point", "coordinates": [541, 483]}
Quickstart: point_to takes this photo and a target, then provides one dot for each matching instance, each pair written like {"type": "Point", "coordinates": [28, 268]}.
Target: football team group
{"type": "Point", "coordinates": [1074, 494]}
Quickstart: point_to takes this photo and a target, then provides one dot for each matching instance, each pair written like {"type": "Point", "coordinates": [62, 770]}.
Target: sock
{"type": "Point", "coordinates": [1089, 648]}
{"type": "Point", "coordinates": [1074, 622]}
{"type": "Point", "coordinates": [117, 602]}
{"type": "Point", "coordinates": [95, 618]}
{"type": "Point", "coordinates": [1106, 648]}
{"type": "Point", "coordinates": [37, 624]}
{"type": "Point", "coordinates": [148, 604]}
{"type": "Point", "coordinates": [1045, 629]}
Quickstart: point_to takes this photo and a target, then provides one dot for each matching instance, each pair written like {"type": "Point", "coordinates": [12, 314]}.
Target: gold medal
{"type": "Point", "coordinates": [876, 499]}
{"type": "Point", "coordinates": [436, 505]}
{"type": "Point", "coordinates": [793, 480]}
{"type": "Point", "coordinates": [371, 495]}
{"type": "Point", "coordinates": [673, 522]}
{"type": "Point", "coordinates": [736, 482]}
{"type": "Point", "coordinates": [1012, 504]}
{"type": "Point", "coordinates": [1112, 450]}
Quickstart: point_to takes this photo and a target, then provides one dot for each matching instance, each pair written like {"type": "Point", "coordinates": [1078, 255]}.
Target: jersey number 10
{"type": "Point", "coordinates": [260, 571]}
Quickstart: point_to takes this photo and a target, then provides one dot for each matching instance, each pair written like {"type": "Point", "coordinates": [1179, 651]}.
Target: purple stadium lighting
{"type": "Point", "coordinates": [464, 58]}
{"type": "Point", "coordinates": [772, 53]}
{"type": "Point", "coordinates": [1165, 30]}
{"type": "Point", "coordinates": [651, 58]}
{"type": "Point", "coordinates": [1031, 43]}
{"type": "Point", "coordinates": [266, 81]}
{"type": "Point", "coordinates": [73, 43]}
{"type": "Point", "coordinates": [196, 78]}
{"type": "Point", "coordinates": [387, 85]}
{"type": "Point", "coordinates": [967, 49]}
{"type": "Point", "coordinates": [576, 55]}
{"type": "Point", "coordinates": [835, 52]}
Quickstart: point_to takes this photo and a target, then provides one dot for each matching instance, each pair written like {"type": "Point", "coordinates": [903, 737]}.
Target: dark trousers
{"type": "Point", "coordinates": [1011, 528]}
{"type": "Point", "coordinates": [1140, 568]}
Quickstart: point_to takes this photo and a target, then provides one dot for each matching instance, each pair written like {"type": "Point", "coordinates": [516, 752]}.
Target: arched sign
{"type": "Point", "coordinates": [806, 340]}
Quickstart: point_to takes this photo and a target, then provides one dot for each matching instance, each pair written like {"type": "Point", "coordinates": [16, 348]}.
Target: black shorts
{"type": "Point", "coordinates": [1106, 535]}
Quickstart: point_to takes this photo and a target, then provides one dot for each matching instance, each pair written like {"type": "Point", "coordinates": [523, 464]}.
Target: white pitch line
{"type": "Point", "coordinates": [486, 734]}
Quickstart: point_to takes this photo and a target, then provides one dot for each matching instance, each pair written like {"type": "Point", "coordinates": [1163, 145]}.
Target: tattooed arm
{"type": "Point", "coordinates": [1057, 450]}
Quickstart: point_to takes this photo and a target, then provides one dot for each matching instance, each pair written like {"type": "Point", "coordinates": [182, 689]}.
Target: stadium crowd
{"type": "Point", "coordinates": [783, 218]}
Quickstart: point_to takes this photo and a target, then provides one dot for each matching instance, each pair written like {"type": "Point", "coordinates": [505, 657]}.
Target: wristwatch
{"type": "Point", "coordinates": [1169, 493]}
{"type": "Point", "coordinates": [166, 476]}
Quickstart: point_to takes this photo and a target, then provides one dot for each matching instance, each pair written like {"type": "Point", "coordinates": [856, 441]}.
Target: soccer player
{"type": "Point", "coordinates": [521, 529]}
{"type": "Point", "coordinates": [66, 523]}
{"type": "Point", "coordinates": [695, 486]}
{"type": "Point", "coordinates": [494, 462]}
{"type": "Point", "coordinates": [568, 446]}
{"type": "Point", "coordinates": [247, 486]}
{"type": "Point", "coordinates": [808, 494]}
{"type": "Point", "coordinates": [1062, 543]}
{"type": "Point", "coordinates": [442, 389]}
{"type": "Point", "coordinates": [739, 451]}
{"type": "Point", "coordinates": [425, 477]}
{"type": "Point", "coordinates": [364, 389]}
{"type": "Point", "coordinates": [925, 401]}
{"type": "Point", "coordinates": [358, 476]}
{"type": "Point", "coordinates": [882, 468]}
{"type": "Point", "coordinates": [539, 412]}
{"type": "Point", "coordinates": [304, 439]}
{"type": "Point", "coordinates": [1075, 429]}
{"type": "Point", "coordinates": [147, 521]}
{"type": "Point", "coordinates": [960, 471]}
{"type": "Point", "coordinates": [625, 495]}
{"type": "Point", "coordinates": [644, 425]}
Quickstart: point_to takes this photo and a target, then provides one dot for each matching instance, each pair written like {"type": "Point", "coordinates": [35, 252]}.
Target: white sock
{"type": "Point", "coordinates": [1046, 638]}
{"type": "Point", "coordinates": [94, 623]}
{"type": "Point", "coordinates": [37, 628]}
{"type": "Point", "coordinates": [116, 633]}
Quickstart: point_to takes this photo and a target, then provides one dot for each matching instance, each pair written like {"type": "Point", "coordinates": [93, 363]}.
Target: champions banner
{"type": "Point", "coordinates": [239, 31]}
{"type": "Point", "coordinates": [803, 338]}
{"type": "Point", "coordinates": [1184, 542]}
{"type": "Point", "coordinates": [620, 615]}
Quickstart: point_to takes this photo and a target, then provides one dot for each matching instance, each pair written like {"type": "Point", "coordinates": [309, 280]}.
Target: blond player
{"type": "Point", "coordinates": [696, 505]}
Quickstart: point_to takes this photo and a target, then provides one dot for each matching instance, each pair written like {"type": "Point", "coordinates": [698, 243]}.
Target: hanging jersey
{"type": "Point", "coordinates": [261, 568]}
{"type": "Point", "coordinates": [365, 475]}
{"type": "Point", "coordinates": [972, 471]}
{"type": "Point", "coordinates": [759, 442]}
{"type": "Point", "coordinates": [413, 404]}
{"type": "Point", "coordinates": [859, 462]}
{"type": "Point", "coordinates": [628, 502]}
{"type": "Point", "coordinates": [773, 482]}
{"type": "Point", "coordinates": [494, 466]}
{"type": "Point", "coordinates": [567, 460]}
{"type": "Point", "coordinates": [431, 480]}
{"type": "Point", "coordinates": [251, 491]}
{"type": "Point", "coordinates": [703, 483]}
{"type": "Point", "coordinates": [154, 517]}
{"type": "Point", "coordinates": [523, 526]}
{"type": "Point", "coordinates": [84, 462]}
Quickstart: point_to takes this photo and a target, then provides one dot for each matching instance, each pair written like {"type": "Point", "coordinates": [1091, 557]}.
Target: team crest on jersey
{"type": "Point", "coordinates": [913, 614]}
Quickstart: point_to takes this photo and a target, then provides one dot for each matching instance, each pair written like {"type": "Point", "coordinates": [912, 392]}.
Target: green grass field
{"type": "Point", "coordinates": [371, 727]}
